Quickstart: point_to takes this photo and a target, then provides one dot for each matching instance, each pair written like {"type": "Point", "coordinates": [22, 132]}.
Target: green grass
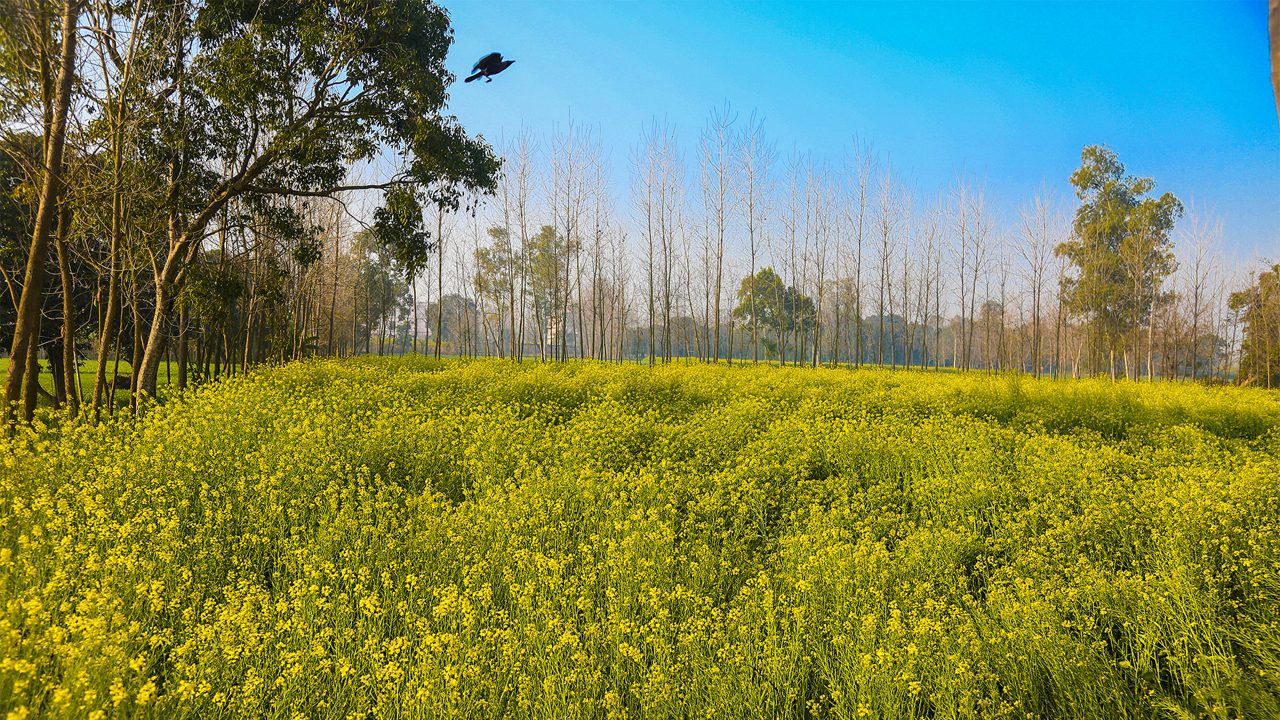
{"type": "Point", "coordinates": [88, 374]}
{"type": "Point", "coordinates": [386, 538]}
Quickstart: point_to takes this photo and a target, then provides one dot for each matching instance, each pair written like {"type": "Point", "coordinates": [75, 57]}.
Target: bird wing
{"type": "Point", "coordinates": [487, 60]}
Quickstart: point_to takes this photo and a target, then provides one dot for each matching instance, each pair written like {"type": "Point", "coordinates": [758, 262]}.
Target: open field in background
{"type": "Point", "coordinates": [88, 373]}
{"type": "Point", "coordinates": [408, 539]}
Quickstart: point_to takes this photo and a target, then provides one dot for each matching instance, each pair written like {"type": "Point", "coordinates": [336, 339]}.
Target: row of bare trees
{"type": "Point", "coordinates": [733, 253]}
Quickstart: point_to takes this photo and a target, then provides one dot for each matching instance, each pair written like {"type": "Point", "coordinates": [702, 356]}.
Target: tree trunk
{"type": "Point", "coordinates": [184, 320]}
{"type": "Point", "coordinates": [439, 278]}
{"type": "Point", "coordinates": [69, 373]}
{"type": "Point", "coordinates": [27, 327]}
{"type": "Point", "coordinates": [56, 352]}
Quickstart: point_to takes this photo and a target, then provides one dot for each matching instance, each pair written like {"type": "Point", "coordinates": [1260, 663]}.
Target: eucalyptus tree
{"type": "Point", "coordinates": [1258, 307]}
{"type": "Point", "coordinates": [282, 97]}
{"type": "Point", "coordinates": [1120, 250]}
{"type": "Point", "coordinates": [495, 279]}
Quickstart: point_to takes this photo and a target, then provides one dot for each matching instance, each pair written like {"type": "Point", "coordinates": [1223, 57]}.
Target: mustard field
{"type": "Point", "coordinates": [407, 539]}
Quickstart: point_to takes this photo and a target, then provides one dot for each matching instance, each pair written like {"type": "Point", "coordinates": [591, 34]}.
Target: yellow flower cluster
{"type": "Point", "coordinates": [408, 539]}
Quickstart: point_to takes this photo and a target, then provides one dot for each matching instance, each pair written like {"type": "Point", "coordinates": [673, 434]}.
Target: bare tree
{"type": "Point", "coordinates": [888, 217]}
{"type": "Point", "coordinates": [1204, 235]}
{"type": "Point", "coordinates": [567, 191]}
{"type": "Point", "coordinates": [717, 161]}
{"type": "Point", "coordinates": [1043, 227]}
{"type": "Point", "coordinates": [646, 162]}
{"type": "Point", "coordinates": [979, 228]}
{"type": "Point", "coordinates": [818, 181]}
{"type": "Point", "coordinates": [855, 205]}
{"type": "Point", "coordinates": [927, 239]}
{"type": "Point", "coordinates": [755, 189]}
{"type": "Point", "coordinates": [908, 277]}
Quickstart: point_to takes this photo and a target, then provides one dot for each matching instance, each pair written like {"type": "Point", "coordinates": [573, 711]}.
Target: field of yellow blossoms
{"type": "Point", "coordinates": [407, 539]}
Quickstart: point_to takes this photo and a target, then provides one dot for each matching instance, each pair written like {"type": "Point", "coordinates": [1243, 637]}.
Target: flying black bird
{"type": "Point", "coordinates": [488, 66]}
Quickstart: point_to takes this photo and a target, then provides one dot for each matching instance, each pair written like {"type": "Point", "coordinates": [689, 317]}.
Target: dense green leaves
{"type": "Point", "coordinates": [1259, 308]}
{"type": "Point", "coordinates": [1121, 247]}
{"type": "Point", "coordinates": [772, 304]}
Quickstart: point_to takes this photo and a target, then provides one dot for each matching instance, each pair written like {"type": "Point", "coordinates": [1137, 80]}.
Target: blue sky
{"type": "Point", "coordinates": [1003, 94]}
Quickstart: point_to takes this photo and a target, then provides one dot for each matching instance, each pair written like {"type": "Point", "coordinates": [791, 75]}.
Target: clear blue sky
{"type": "Point", "coordinates": [1004, 94]}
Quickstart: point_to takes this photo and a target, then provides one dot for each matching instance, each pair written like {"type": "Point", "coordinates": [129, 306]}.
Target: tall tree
{"type": "Point", "coordinates": [855, 218]}
{"type": "Point", "coordinates": [755, 158]}
{"type": "Point", "coordinates": [1040, 226]}
{"type": "Point", "coordinates": [718, 173]}
{"type": "Point", "coordinates": [1259, 310]}
{"type": "Point", "coordinates": [288, 95]}
{"type": "Point", "coordinates": [22, 354]}
{"type": "Point", "coordinates": [1120, 249]}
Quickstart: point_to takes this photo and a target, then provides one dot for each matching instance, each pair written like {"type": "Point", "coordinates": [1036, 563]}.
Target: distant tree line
{"type": "Point", "coordinates": [799, 262]}
{"type": "Point", "coordinates": [180, 192]}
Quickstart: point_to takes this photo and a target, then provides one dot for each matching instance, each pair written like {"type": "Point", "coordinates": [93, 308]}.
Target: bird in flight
{"type": "Point", "coordinates": [488, 66]}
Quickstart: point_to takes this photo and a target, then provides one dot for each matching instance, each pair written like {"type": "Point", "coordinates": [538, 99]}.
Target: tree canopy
{"type": "Point", "coordinates": [781, 308]}
{"type": "Point", "coordinates": [1259, 309]}
{"type": "Point", "coordinates": [1120, 248]}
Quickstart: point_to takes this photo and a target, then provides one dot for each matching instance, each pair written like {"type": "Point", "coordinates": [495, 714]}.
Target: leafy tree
{"type": "Point", "coordinates": [382, 285]}
{"type": "Point", "coordinates": [56, 102]}
{"type": "Point", "coordinates": [546, 256]}
{"type": "Point", "coordinates": [398, 228]}
{"type": "Point", "coordinates": [457, 319]}
{"type": "Point", "coordinates": [282, 97]}
{"type": "Point", "coordinates": [1120, 248]}
{"type": "Point", "coordinates": [776, 306]}
{"type": "Point", "coordinates": [1259, 308]}
{"type": "Point", "coordinates": [497, 269]}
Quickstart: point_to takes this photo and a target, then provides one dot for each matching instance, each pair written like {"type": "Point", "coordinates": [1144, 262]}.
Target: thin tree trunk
{"type": "Point", "coordinates": [69, 373]}
{"type": "Point", "coordinates": [26, 332]}
{"type": "Point", "coordinates": [184, 320]}
{"type": "Point", "coordinates": [439, 278]}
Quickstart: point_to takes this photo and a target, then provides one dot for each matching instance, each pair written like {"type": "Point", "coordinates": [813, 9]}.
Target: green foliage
{"type": "Point", "coordinates": [211, 294]}
{"type": "Point", "coordinates": [778, 307]}
{"type": "Point", "coordinates": [1259, 308]}
{"type": "Point", "coordinates": [292, 94]}
{"type": "Point", "coordinates": [409, 539]}
{"type": "Point", "coordinates": [1120, 247]}
{"type": "Point", "coordinates": [497, 266]}
{"type": "Point", "coordinates": [398, 228]}
{"type": "Point", "coordinates": [546, 253]}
